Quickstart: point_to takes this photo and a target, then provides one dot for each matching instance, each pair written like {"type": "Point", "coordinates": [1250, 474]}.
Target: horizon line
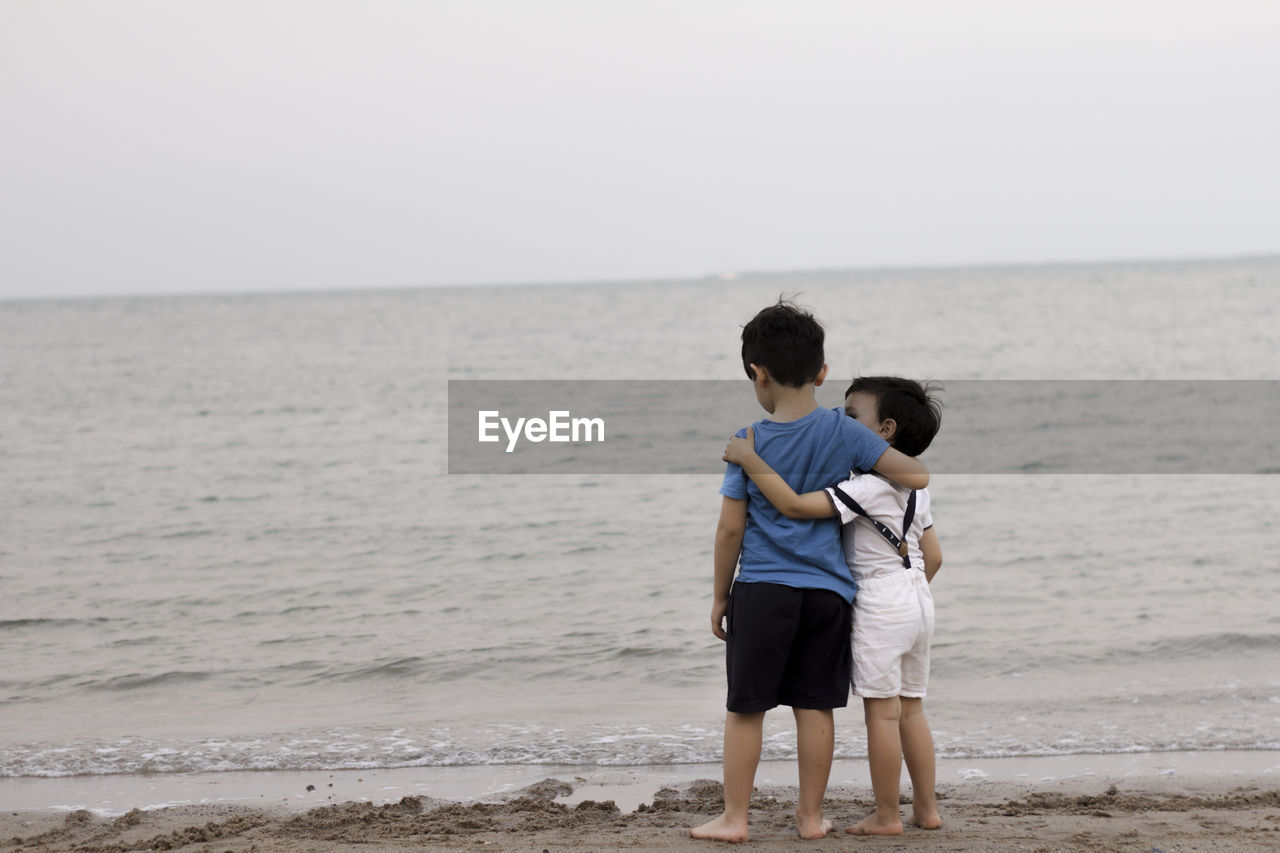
{"type": "Point", "coordinates": [723, 275]}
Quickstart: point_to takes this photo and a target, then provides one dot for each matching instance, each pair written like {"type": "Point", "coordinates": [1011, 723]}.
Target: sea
{"type": "Point", "coordinates": [230, 538]}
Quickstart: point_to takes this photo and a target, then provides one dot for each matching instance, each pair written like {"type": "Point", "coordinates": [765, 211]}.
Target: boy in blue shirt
{"type": "Point", "coordinates": [786, 617]}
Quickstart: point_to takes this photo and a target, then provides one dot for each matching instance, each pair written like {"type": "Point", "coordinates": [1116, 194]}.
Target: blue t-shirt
{"type": "Point", "coordinates": [815, 452]}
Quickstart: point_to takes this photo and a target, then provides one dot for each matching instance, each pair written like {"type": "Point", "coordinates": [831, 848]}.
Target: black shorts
{"type": "Point", "coordinates": [787, 646]}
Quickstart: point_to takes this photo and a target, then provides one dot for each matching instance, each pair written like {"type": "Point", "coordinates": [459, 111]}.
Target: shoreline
{"type": "Point", "coordinates": [1115, 801]}
{"type": "Point", "coordinates": [627, 786]}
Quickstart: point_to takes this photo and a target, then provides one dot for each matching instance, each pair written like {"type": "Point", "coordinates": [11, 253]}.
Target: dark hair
{"type": "Point", "coordinates": [914, 407]}
{"type": "Point", "coordinates": [787, 341]}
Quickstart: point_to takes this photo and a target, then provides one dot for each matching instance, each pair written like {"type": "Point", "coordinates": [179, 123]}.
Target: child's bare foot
{"type": "Point", "coordinates": [721, 829]}
{"type": "Point", "coordinates": [811, 828]}
{"type": "Point", "coordinates": [926, 819]}
{"type": "Point", "coordinates": [873, 825]}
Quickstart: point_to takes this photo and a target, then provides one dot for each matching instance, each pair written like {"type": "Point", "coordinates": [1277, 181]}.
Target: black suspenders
{"type": "Point", "coordinates": [907, 518]}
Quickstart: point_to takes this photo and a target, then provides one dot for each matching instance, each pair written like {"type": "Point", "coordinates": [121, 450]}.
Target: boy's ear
{"type": "Point", "coordinates": [762, 375]}
{"type": "Point", "coordinates": [822, 375]}
{"type": "Point", "coordinates": [887, 428]}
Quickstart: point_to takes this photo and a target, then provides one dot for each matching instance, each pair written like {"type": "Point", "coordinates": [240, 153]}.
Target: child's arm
{"type": "Point", "coordinates": [902, 469]}
{"type": "Point", "coordinates": [733, 523]}
{"type": "Point", "coordinates": [742, 451]}
{"type": "Point", "coordinates": [932, 553]}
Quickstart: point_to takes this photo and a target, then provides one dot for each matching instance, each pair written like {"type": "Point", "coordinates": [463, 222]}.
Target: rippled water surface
{"type": "Point", "coordinates": [227, 538]}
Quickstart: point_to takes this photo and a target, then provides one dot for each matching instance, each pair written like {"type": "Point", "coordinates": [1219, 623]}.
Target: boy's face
{"type": "Point", "coordinates": [861, 406]}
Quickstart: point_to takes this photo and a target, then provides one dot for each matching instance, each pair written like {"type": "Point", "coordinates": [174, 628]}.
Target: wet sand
{"type": "Point", "coordinates": [1118, 808]}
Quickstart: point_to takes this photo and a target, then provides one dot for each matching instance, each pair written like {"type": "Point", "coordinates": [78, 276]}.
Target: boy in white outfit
{"type": "Point", "coordinates": [893, 553]}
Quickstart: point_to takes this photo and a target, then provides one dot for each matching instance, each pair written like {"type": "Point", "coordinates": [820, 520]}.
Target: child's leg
{"type": "Point", "coordinates": [743, 738]}
{"type": "Point", "coordinates": [884, 753]}
{"type": "Point", "coordinates": [917, 749]}
{"type": "Point", "coordinates": [815, 744]}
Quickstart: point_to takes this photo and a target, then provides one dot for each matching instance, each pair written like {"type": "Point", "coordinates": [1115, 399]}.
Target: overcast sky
{"type": "Point", "coordinates": [169, 146]}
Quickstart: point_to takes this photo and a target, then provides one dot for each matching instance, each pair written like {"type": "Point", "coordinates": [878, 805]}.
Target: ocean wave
{"type": "Point", "coordinates": [510, 745]}
{"type": "Point", "coordinates": [137, 680]}
{"type": "Point", "coordinates": [1216, 643]}
{"type": "Point", "coordinates": [584, 657]}
{"type": "Point", "coordinates": [38, 622]}
{"type": "Point", "coordinates": [956, 658]}
{"type": "Point", "coordinates": [392, 669]}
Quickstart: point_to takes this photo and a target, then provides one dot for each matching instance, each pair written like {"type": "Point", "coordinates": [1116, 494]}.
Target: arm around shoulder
{"type": "Point", "coordinates": [808, 505]}
{"type": "Point", "coordinates": [741, 451]}
{"type": "Point", "coordinates": [784, 498]}
{"type": "Point", "coordinates": [903, 469]}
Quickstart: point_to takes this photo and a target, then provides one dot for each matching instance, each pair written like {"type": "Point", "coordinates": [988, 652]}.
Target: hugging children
{"type": "Point", "coordinates": [788, 615]}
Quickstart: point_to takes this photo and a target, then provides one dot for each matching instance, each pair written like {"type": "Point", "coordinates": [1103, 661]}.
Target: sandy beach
{"type": "Point", "coordinates": [1176, 801]}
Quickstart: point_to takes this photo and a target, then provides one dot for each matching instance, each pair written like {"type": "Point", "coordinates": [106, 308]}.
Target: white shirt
{"type": "Point", "coordinates": [866, 551]}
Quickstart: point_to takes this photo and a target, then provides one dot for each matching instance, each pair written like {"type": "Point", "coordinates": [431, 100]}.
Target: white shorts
{"type": "Point", "coordinates": [892, 633]}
